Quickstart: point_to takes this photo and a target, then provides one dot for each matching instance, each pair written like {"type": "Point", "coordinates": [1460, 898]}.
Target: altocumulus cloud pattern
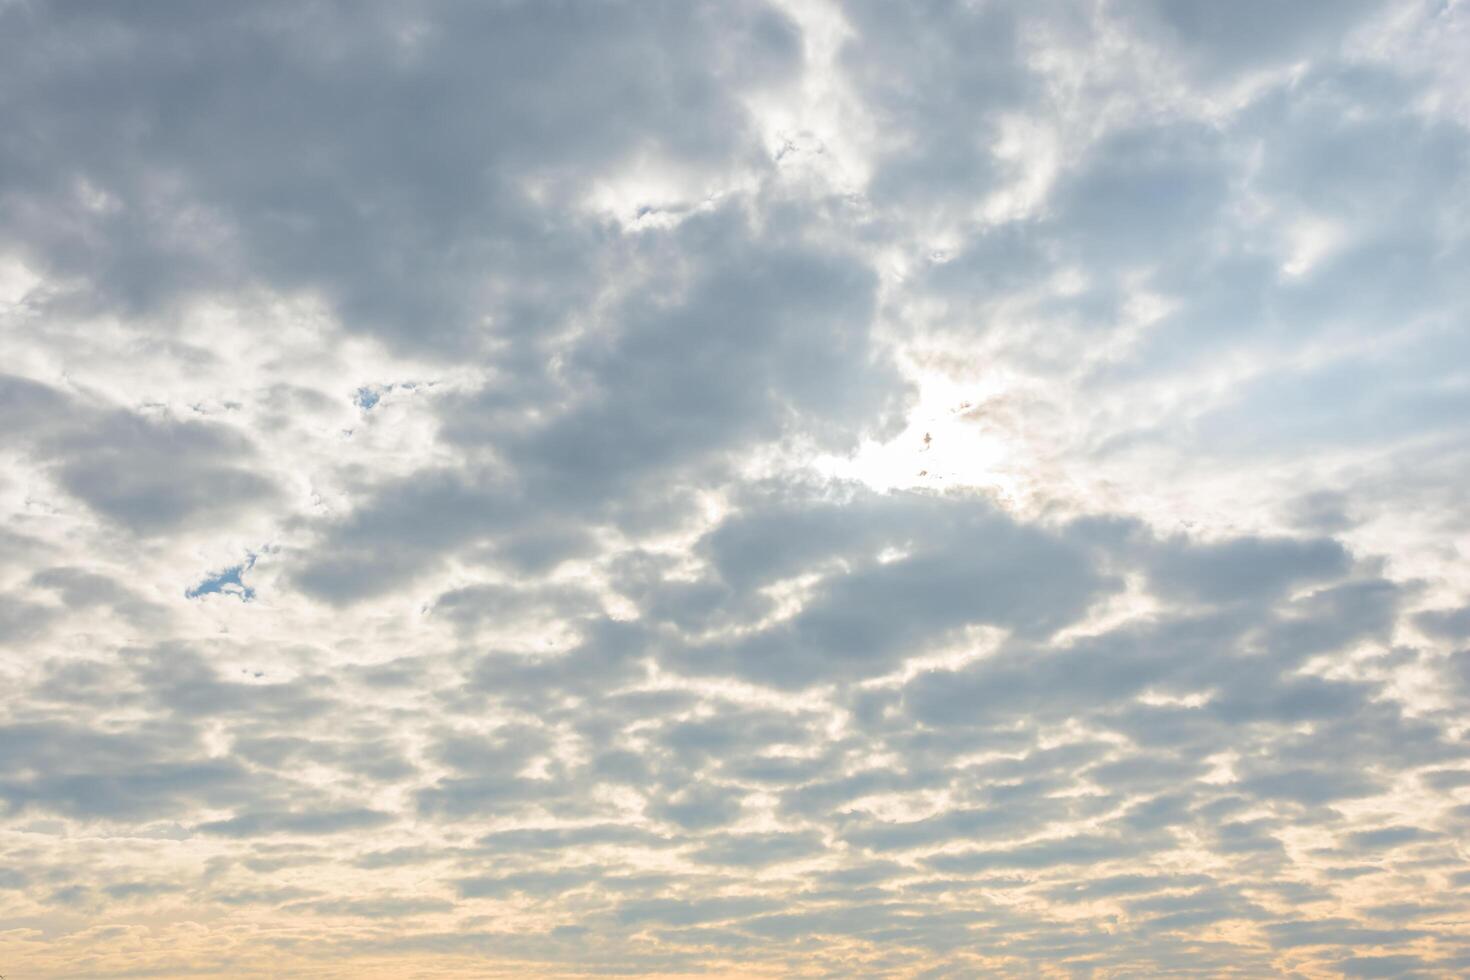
{"type": "Point", "coordinates": [760, 489]}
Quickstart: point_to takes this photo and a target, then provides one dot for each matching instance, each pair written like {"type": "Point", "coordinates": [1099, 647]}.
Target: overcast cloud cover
{"type": "Point", "coordinates": [894, 489]}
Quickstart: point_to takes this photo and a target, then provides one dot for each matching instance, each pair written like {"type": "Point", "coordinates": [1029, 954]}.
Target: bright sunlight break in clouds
{"type": "Point", "coordinates": [750, 488]}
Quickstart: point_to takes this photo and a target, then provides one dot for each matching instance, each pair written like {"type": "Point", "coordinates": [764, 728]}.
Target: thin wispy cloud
{"type": "Point", "coordinates": [748, 489]}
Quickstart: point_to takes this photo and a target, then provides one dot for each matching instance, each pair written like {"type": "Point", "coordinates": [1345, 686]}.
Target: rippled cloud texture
{"type": "Point", "coordinates": [924, 489]}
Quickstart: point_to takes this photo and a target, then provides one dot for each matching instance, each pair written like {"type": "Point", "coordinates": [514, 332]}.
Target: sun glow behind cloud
{"type": "Point", "coordinates": [944, 443]}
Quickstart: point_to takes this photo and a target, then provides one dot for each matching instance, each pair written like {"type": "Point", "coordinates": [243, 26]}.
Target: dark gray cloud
{"type": "Point", "coordinates": [952, 564]}
{"type": "Point", "coordinates": [740, 338]}
{"type": "Point", "coordinates": [1245, 568]}
{"type": "Point", "coordinates": [1447, 624]}
{"type": "Point", "coordinates": [935, 76]}
{"type": "Point", "coordinates": [759, 850]}
{"type": "Point", "coordinates": [560, 838]}
{"type": "Point", "coordinates": [126, 775]}
{"type": "Point", "coordinates": [147, 474]}
{"type": "Point", "coordinates": [1251, 35]}
{"type": "Point", "coordinates": [387, 176]}
{"type": "Point", "coordinates": [255, 823]}
{"type": "Point", "coordinates": [21, 620]}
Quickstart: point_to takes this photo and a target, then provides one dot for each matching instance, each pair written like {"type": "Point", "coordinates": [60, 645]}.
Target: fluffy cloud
{"type": "Point", "coordinates": [921, 489]}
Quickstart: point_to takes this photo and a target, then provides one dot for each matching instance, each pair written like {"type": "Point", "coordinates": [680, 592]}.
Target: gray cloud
{"type": "Point", "coordinates": [253, 824]}
{"type": "Point", "coordinates": [124, 775]}
{"type": "Point", "coordinates": [146, 474]}
{"type": "Point", "coordinates": [287, 181]}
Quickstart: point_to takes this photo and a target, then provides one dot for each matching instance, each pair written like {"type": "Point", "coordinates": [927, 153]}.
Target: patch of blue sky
{"type": "Point", "coordinates": [230, 581]}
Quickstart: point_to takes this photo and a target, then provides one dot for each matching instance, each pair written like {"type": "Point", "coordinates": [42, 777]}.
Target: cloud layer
{"type": "Point", "coordinates": [792, 488]}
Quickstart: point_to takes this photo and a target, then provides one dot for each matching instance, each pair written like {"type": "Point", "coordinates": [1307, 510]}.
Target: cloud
{"type": "Point", "coordinates": [146, 474]}
{"type": "Point", "coordinates": [967, 565]}
{"type": "Point", "coordinates": [124, 775]}
{"type": "Point", "coordinates": [757, 850]}
{"type": "Point", "coordinates": [255, 824]}
{"type": "Point", "coordinates": [271, 182]}
{"type": "Point", "coordinates": [940, 489]}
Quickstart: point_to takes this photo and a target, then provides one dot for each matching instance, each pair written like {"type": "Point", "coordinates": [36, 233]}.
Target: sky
{"type": "Point", "coordinates": [758, 488]}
